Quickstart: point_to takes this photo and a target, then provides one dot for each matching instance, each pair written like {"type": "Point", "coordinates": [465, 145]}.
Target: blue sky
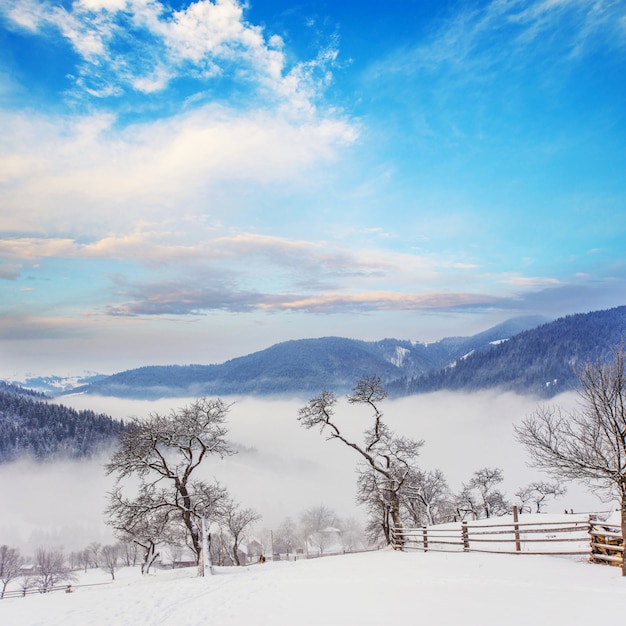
{"type": "Point", "coordinates": [190, 182]}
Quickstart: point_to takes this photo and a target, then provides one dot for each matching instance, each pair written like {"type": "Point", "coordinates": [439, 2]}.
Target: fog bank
{"type": "Point", "coordinates": [281, 468]}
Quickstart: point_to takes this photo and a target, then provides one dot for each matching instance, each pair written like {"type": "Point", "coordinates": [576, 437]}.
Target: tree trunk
{"type": "Point", "coordinates": [623, 522]}
{"type": "Point", "coordinates": [236, 553]}
{"type": "Point", "coordinates": [190, 521]}
{"type": "Point", "coordinates": [397, 521]}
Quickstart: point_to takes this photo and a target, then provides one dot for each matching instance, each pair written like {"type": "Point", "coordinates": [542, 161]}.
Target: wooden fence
{"type": "Point", "coordinates": [607, 545]}
{"type": "Point", "coordinates": [600, 541]}
{"type": "Point", "coordinates": [67, 587]}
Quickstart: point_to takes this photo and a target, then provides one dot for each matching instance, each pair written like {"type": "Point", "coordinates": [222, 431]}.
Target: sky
{"type": "Point", "coordinates": [188, 182]}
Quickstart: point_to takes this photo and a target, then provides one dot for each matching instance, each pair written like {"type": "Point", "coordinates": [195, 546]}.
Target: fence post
{"type": "Point", "coordinates": [425, 538]}
{"type": "Point", "coordinates": [592, 539]}
{"type": "Point", "coordinates": [465, 536]}
{"type": "Point", "coordinates": [518, 545]}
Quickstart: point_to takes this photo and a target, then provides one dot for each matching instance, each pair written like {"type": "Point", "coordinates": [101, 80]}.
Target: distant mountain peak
{"type": "Point", "coordinates": [303, 366]}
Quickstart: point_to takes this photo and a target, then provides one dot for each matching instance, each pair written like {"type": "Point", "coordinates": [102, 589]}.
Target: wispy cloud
{"type": "Point", "coordinates": [142, 45]}
{"type": "Point", "coordinates": [210, 270]}
{"type": "Point", "coordinates": [382, 301]}
{"type": "Point", "coordinates": [176, 299]}
{"type": "Point", "coordinates": [529, 281]}
{"type": "Point", "coordinates": [503, 33]}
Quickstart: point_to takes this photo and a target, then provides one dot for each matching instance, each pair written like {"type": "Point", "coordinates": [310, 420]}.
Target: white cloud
{"type": "Point", "coordinates": [142, 44]}
{"type": "Point", "coordinates": [52, 168]}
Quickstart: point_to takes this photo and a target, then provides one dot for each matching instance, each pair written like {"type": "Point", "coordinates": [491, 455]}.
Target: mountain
{"type": "Point", "coordinates": [16, 390]}
{"type": "Point", "coordinates": [303, 366]}
{"type": "Point", "coordinates": [30, 426]}
{"type": "Point", "coordinates": [542, 361]}
{"type": "Point", "coordinates": [57, 385]}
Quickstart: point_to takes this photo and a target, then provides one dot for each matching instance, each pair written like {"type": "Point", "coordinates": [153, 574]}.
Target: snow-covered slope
{"type": "Point", "coordinates": [366, 589]}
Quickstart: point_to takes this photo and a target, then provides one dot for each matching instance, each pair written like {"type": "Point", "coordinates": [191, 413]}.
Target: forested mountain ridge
{"type": "Point", "coordinates": [526, 355]}
{"type": "Point", "coordinates": [302, 366]}
{"type": "Point", "coordinates": [542, 361]}
{"type": "Point", "coordinates": [30, 426]}
{"type": "Point", "coordinates": [17, 390]}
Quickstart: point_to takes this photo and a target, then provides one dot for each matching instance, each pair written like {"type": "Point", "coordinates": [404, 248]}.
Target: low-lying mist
{"type": "Point", "coordinates": [281, 468]}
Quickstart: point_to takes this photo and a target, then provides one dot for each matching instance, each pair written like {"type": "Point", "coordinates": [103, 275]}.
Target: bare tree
{"type": "Point", "coordinates": [426, 497]}
{"type": "Point", "coordinates": [94, 549]}
{"type": "Point", "coordinates": [588, 443]}
{"type": "Point", "coordinates": [140, 520]}
{"type": "Point", "coordinates": [389, 456]}
{"type": "Point", "coordinates": [491, 500]}
{"type": "Point", "coordinates": [10, 564]}
{"type": "Point", "coordinates": [467, 504]}
{"type": "Point", "coordinates": [285, 538]}
{"type": "Point", "coordinates": [351, 534]}
{"type": "Point", "coordinates": [110, 557]}
{"type": "Point", "coordinates": [236, 521]}
{"type": "Point", "coordinates": [128, 552]}
{"type": "Point", "coordinates": [164, 452]}
{"type": "Point", "coordinates": [318, 522]}
{"type": "Point", "coordinates": [83, 558]}
{"type": "Point", "coordinates": [370, 494]}
{"type": "Point", "coordinates": [51, 569]}
{"type": "Point", "coordinates": [537, 493]}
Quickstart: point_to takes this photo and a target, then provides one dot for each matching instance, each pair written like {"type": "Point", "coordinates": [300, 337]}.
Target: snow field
{"type": "Point", "coordinates": [374, 588]}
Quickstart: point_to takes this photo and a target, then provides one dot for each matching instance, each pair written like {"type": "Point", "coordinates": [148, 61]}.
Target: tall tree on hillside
{"type": "Point", "coordinates": [390, 457]}
{"type": "Point", "coordinates": [164, 452]}
{"type": "Point", "coordinates": [588, 443]}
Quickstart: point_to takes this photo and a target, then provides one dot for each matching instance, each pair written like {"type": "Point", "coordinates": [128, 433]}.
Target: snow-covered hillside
{"type": "Point", "coordinates": [365, 589]}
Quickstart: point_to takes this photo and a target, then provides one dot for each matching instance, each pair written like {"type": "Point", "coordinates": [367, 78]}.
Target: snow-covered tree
{"type": "Point", "coordinates": [286, 537]}
{"type": "Point", "coordinates": [95, 549]}
{"type": "Point", "coordinates": [479, 498]}
{"type": "Point", "coordinates": [492, 500]}
{"type": "Point", "coordinates": [128, 552]}
{"type": "Point", "coordinates": [316, 522]}
{"type": "Point", "coordinates": [83, 558]}
{"type": "Point", "coordinates": [371, 495]}
{"type": "Point", "coordinates": [237, 520]}
{"type": "Point", "coordinates": [110, 557]}
{"type": "Point", "coordinates": [588, 443]}
{"type": "Point", "coordinates": [10, 564]}
{"type": "Point", "coordinates": [426, 497]}
{"type": "Point", "coordinates": [164, 452]}
{"type": "Point", "coordinates": [51, 568]}
{"type": "Point", "coordinates": [537, 493]}
{"type": "Point", "coordinates": [389, 456]}
{"type": "Point", "coordinates": [351, 534]}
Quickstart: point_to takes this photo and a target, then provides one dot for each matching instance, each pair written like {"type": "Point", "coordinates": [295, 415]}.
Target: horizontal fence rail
{"type": "Point", "coordinates": [601, 541]}
{"type": "Point", "coordinates": [28, 591]}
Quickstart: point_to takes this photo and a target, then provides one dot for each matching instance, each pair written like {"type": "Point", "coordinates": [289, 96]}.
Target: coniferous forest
{"type": "Point", "coordinates": [32, 427]}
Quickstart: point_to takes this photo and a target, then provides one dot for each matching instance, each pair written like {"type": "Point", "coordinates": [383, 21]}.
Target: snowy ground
{"type": "Point", "coordinates": [375, 588]}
